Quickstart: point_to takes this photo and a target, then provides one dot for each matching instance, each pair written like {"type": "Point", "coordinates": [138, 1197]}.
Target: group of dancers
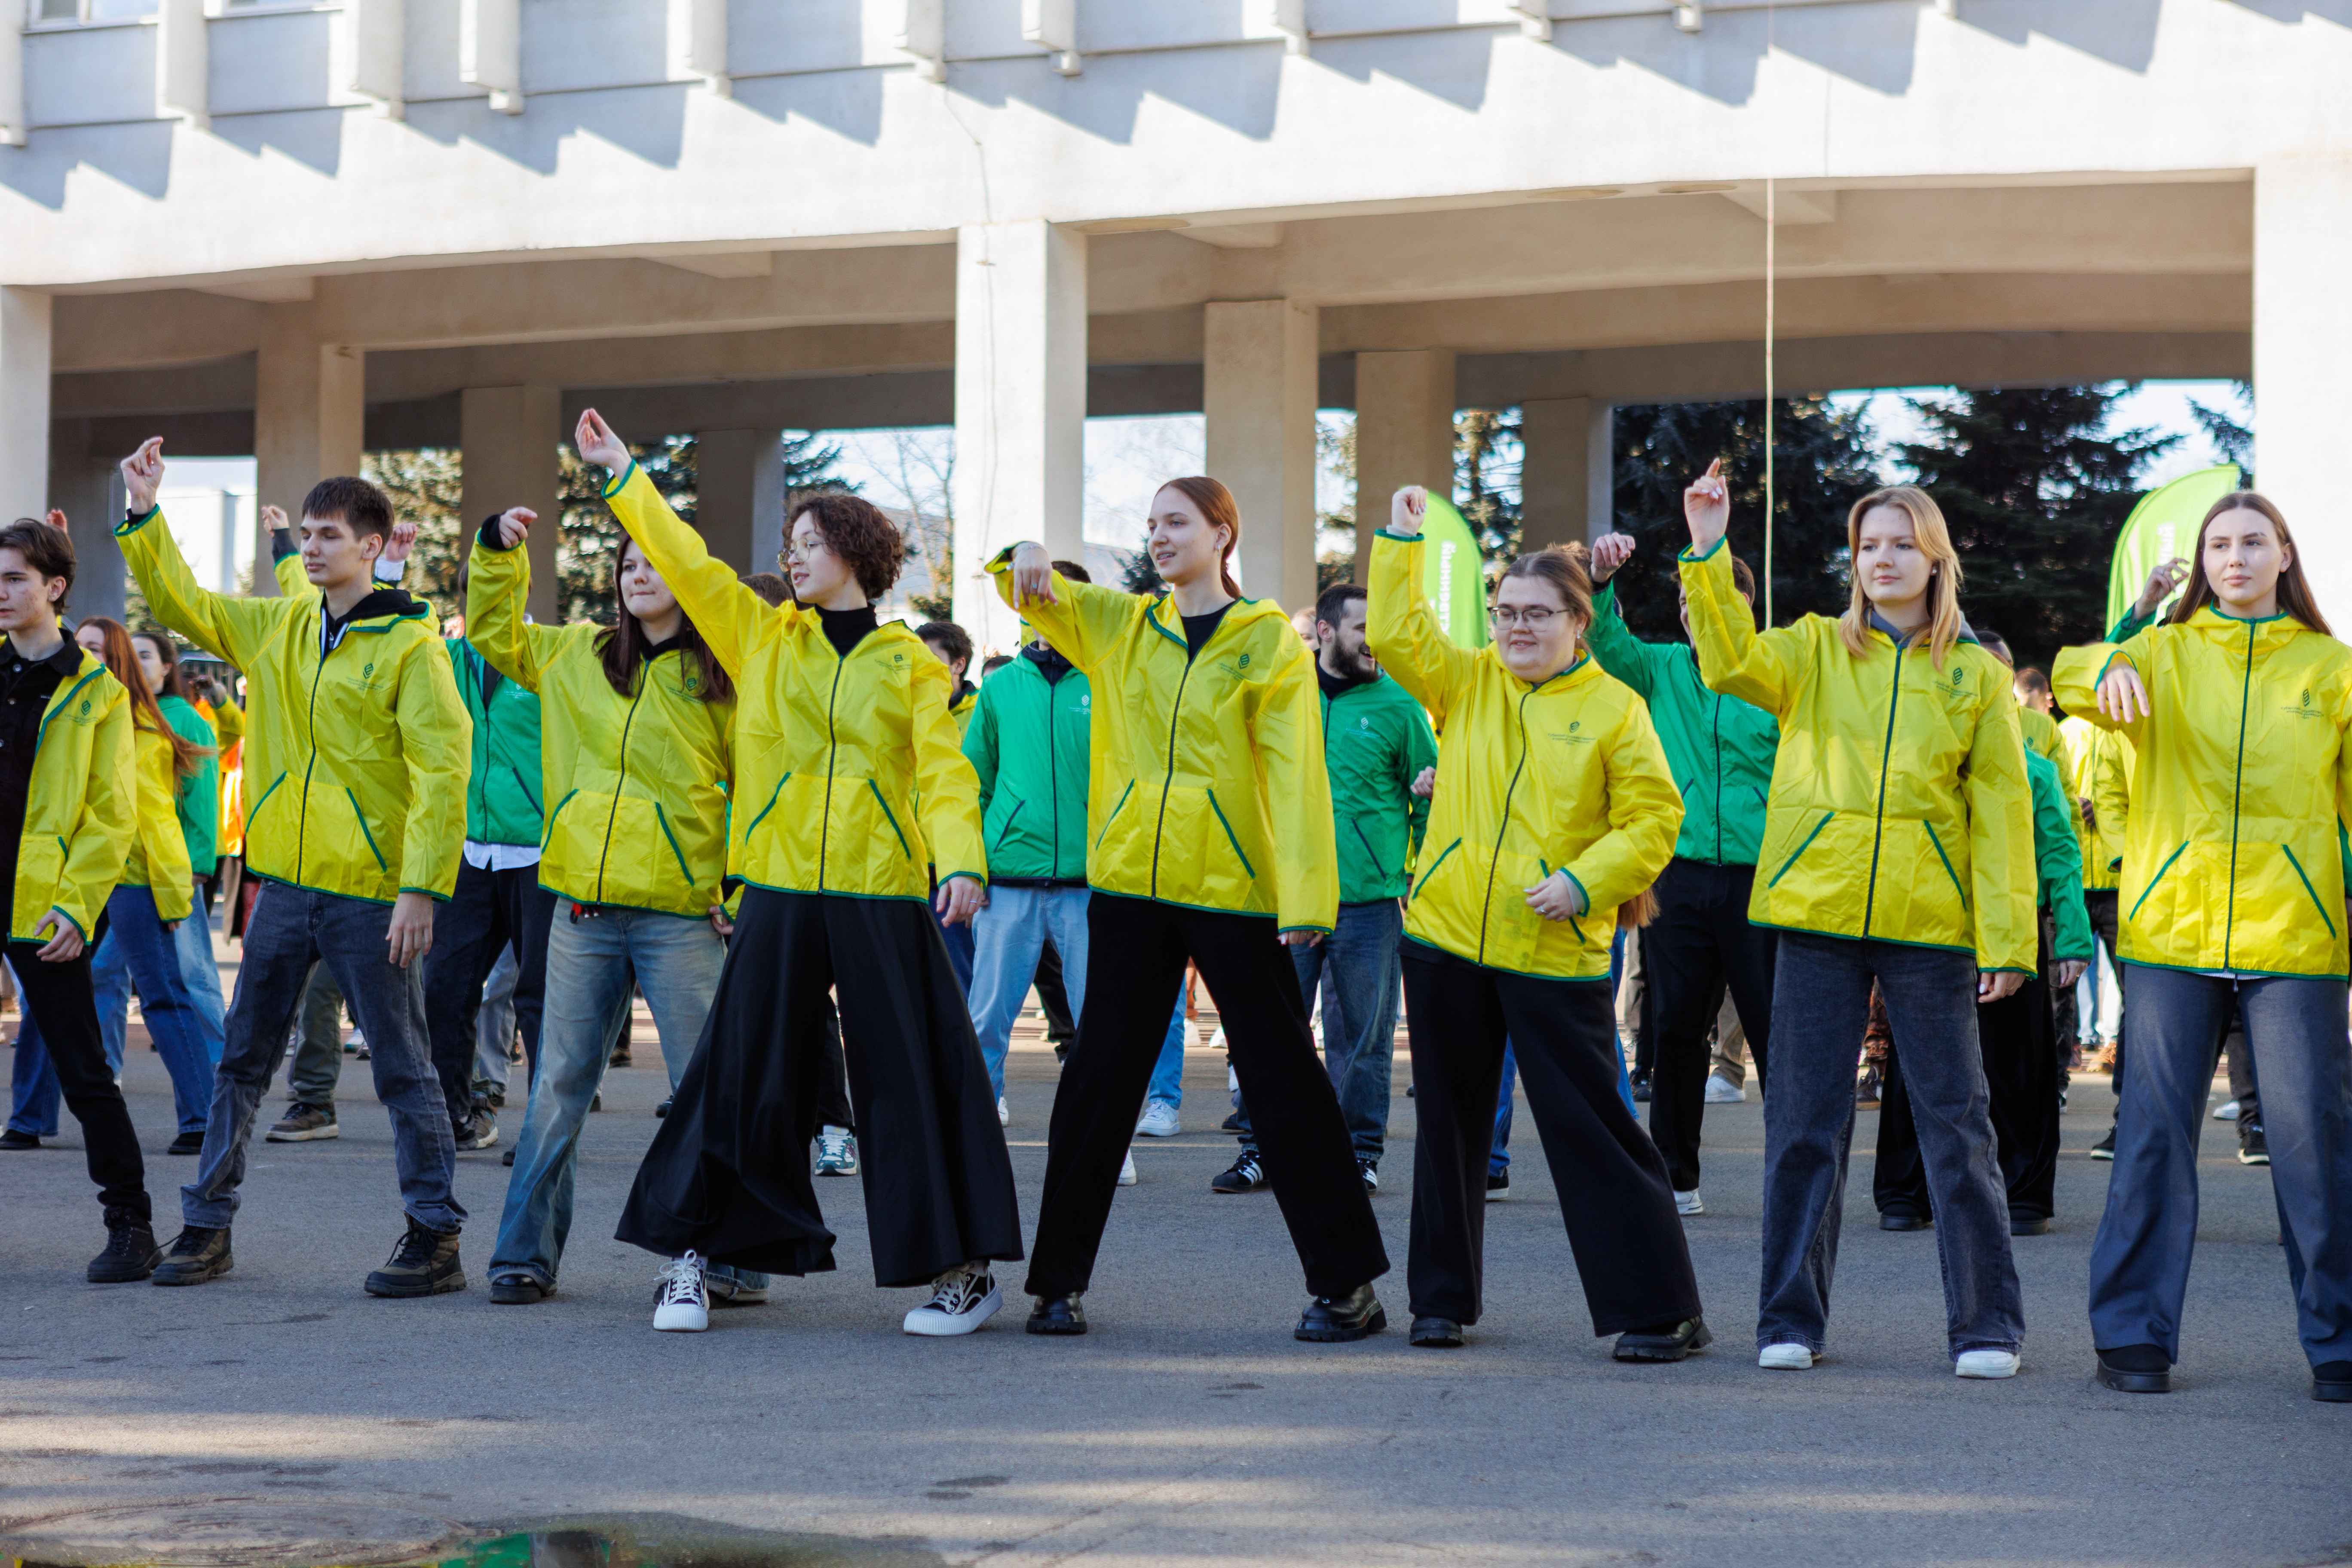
{"type": "Point", "coordinates": [768, 816]}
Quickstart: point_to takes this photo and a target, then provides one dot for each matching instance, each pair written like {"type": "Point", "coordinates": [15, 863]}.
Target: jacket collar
{"type": "Point", "coordinates": [1580, 670]}
{"type": "Point", "coordinates": [2212, 618]}
{"type": "Point", "coordinates": [1165, 620]}
{"type": "Point", "coordinates": [1886, 628]}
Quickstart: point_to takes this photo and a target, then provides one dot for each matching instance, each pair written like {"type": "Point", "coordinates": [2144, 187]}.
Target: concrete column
{"type": "Point", "coordinates": [739, 496]}
{"type": "Point", "coordinates": [24, 404]}
{"type": "Point", "coordinates": [1404, 433]}
{"type": "Point", "coordinates": [1259, 395]}
{"type": "Point", "coordinates": [1566, 488]}
{"type": "Point", "coordinates": [2302, 340]}
{"type": "Point", "coordinates": [1021, 406]}
{"type": "Point", "coordinates": [87, 484]}
{"type": "Point", "coordinates": [310, 407]}
{"type": "Point", "coordinates": [509, 435]}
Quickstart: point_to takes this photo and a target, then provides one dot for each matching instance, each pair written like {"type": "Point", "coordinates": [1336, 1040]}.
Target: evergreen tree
{"type": "Point", "coordinates": [1486, 466]}
{"type": "Point", "coordinates": [2232, 438]}
{"type": "Point", "coordinates": [2035, 488]}
{"type": "Point", "coordinates": [1824, 460]}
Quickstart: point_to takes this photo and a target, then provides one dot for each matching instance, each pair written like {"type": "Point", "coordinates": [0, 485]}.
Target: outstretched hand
{"type": "Point", "coordinates": [1707, 507]}
{"type": "Point", "coordinates": [143, 475]}
{"type": "Point", "coordinates": [2122, 695]}
{"type": "Point", "coordinates": [1033, 575]}
{"type": "Point", "coordinates": [1610, 551]}
{"type": "Point", "coordinates": [403, 541]}
{"type": "Point", "coordinates": [594, 441]}
{"type": "Point", "coordinates": [1407, 509]}
{"type": "Point", "coordinates": [514, 526]}
{"type": "Point", "coordinates": [57, 520]}
{"type": "Point", "coordinates": [273, 518]}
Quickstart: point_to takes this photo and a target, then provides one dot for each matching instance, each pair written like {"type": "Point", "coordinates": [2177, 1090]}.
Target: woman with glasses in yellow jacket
{"type": "Point", "coordinates": [1210, 817]}
{"type": "Point", "coordinates": [2232, 888]}
{"type": "Point", "coordinates": [849, 784]}
{"type": "Point", "coordinates": [1898, 846]}
{"type": "Point", "coordinates": [1554, 811]}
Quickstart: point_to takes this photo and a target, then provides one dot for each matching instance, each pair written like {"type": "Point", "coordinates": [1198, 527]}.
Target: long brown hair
{"type": "Point", "coordinates": [1935, 540]}
{"type": "Point", "coordinates": [2293, 588]}
{"type": "Point", "coordinates": [621, 646]}
{"type": "Point", "coordinates": [175, 680]}
{"type": "Point", "coordinates": [1563, 567]}
{"type": "Point", "coordinates": [122, 660]}
{"type": "Point", "coordinates": [1218, 509]}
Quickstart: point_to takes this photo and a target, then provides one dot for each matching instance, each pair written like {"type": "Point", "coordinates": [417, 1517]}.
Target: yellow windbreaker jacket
{"type": "Point", "coordinates": [158, 860]}
{"type": "Point", "coordinates": [355, 761]}
{"type": "Point", "coordinates": [636, 786]}
{"type": "Point", "coordinates": [81, 810]}
{"type": "Point", "coordinates": [849, 776]}
{"type": "Point", "coordinates": [1566, 775]}
{"type": "Point", "coordinates": [1900, 807]}
{"type": "Point", "coordinates": [2241, 782]}
{"type": "Point", "coordinates": [2092, 750]}
{"type": "Point", "coordinates": [1207, 785]}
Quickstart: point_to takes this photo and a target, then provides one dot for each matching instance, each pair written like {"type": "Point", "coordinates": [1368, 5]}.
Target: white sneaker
{"type": "Point", "coordinates": [1004, 1112]}
{"type": "Point", "coordinates": [1217, 1043]}
{"type": "Point", "coordinates": [683, 1304]}
{"type": "Point", "coordinates": [1788, 1357]}
{"type": "Point", "coordinates": [2227, 1111]}
{"type": "Point", "coordinates": [1689, 1203]}
{"type": "Point", "coordinates": [1159, 1120]}
{"type": "Point", "coordinates": [1986, 1364]}
{"type": "Point", "coordinates": [1126, 1170]}
{"type": "Point", "coordinates": [837, 1152]}
{"type": "Point", "coordinates": [962, 1300]}
{"type": "Point", "coordinates": [1721, 1090]}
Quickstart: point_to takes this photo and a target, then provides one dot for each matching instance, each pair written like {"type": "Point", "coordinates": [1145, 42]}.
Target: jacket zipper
{"type": "Point", "coordinates": [1878, 826]}
{"type": "Point", "coordinates": [646, 670]}
{"type": "Point", "coordinates": [1716, 721]}
{"type": "Point", "coordinates": [302, 827]}
{"type": "Point", "coordinates": [1175, 711]}
{"type": "Point", "coordinates": [2237, 792]}
{"type": "Point", "coordinates": [1052, 783]}
{"type": "Point", "coordinates": [824, 822]}
{"type": "Point", "coordinates": [1486, 906]}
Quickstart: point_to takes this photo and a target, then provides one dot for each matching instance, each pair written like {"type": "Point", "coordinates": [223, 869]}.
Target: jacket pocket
{"type": "Point", "coordinates": [1114, 813]}
{"type": "Point", "coordinates": [755, 822]}
{"type": "Point", "coordinates": [361, 817]}
{"type": "Point", "coordinates": [2152, 881]}
{"type": "Point", "coordinates": [661, 818]}
{"type": "Point", "coordinates": [528, 798]}
{"type": "Point", "coordinates": [892, 818]}
{"type": "Point", "coordinates": [1433, 865]}
{"type": "Point", "coordinates": [1236, 843]}
{"type": "Point", "coordinates": [1804, 844]}
{"type": "Point", "coordinates": [548, 837]}
{"type": "Point", "coordinates": [255, 815]}
{"type": "Point", "coordinates": [2304, 877]}
{"type": "Point", "coordinates": [1947, 859]}
{"type": "Point", "coordinates": [1004, 828]}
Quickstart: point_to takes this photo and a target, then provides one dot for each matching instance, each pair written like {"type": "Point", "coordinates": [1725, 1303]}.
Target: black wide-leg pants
{"type": "Point", "coordinates": [1613, 1194]}
{"type": "Point", "coordinates": [727, 1174]}
{"type": "Point", "coordinates": [1138, 949]}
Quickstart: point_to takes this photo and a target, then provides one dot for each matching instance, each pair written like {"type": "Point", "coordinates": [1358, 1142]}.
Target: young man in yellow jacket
{"type": "Point", "coordinates": [357, 759]}
{"type": "Point", "coordinates": [65, 822]}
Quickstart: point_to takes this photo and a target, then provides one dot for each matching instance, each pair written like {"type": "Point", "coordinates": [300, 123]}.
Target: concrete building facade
{"type": "Point", "coordinates": [298, 231]}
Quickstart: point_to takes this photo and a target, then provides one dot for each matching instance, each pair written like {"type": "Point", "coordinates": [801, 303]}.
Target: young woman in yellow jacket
{"type": "Point", "coordinates": [1898, 846]}
{"type": "Point", "coordinates": [1554, 810]}
{"type": "Point", "coordinates": [2233, 899]}
{"type": "Point", "coordinates": [848, 786]}
{"type": "Point", "coordinates": [635, 734]}
{"type": "Point", "coordinates": [1211, 839]}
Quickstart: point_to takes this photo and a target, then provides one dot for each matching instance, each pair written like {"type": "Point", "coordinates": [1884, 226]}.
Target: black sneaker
{"type": "Point", "coordinates": [1498, 1185]}
{"type": "Point", "coordinates": [620, 1055]}
{"type": "Point", "coordinates": [519, 1290]}
{"type": "Point", "coordinates": [1059, 1315]}
{"type": "Point", "coordinates": [662, 1110]}
{"type": "Point", "coordinates": [1233, 1125]}
{"type": "Point", "coordinates": [1246, 1174]}
{"type": "Point", "coordinates": [131, 1254]}
{"type": "Point", "coordinates": [480, 1131]}
{"type": "Point", "coordinates": [302, 1123]}
{"type": "Point", "coordinates": [1337, 1319]}
{"type": "Point", "coordinates": [197, 1254]}
{"type": "Point", "coordinates": [2253, 1148]}
{"type": "Point", "coordinates": [11, 1138]}
{"type": "Point", "coordinates": [2105, 1149]}
{"type": "Point", "coordinates": [424, 1263]}
{"type": "Point", "coordinates": [508, 1158]}
{"type": "Point", "coordinates": [187, 1143]}
{"type": "Point", "coordinates": [1640, 1088]}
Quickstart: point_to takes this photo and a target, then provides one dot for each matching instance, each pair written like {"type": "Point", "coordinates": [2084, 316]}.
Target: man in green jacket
{"type": "Point", "coordinates": [1376, 741]}
{"type": "Point", "coordinates": [1720, 751]}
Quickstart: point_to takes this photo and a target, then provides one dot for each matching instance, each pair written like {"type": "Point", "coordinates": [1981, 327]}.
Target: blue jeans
{"type": "Point", "coordinates": [2139, 1261]}
{"type": "Point", "coordinates": [677, 960]}
{"type": "Point", "coordinates": [186, 1031]}
{"type": "Point", "coordinates": [1007, 938]}
{"type": "Point", "coordinates": [1498, 1163]}
{"type": "Point", "coordinates": [291, 928]}
{"type": "Point", "coordinates": [34, 1094]}
{"type": "Point", "coordinates": [1167, 1072]}
{"type": "Point", "coordinates": [1360, 974]}
{"type": "Point", "coordinates": [1820, 1003]}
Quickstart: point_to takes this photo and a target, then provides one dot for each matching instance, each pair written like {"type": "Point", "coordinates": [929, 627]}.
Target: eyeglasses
{"type": "Point", "coordinates": [1535, 618]}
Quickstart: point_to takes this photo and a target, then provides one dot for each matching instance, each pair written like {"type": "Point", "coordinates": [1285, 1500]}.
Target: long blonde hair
{"type": "Point", "coordinates": [1934, 539]}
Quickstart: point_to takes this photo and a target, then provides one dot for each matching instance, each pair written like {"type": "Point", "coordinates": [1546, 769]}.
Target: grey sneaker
{"type": "Point", "coordinates": [481, 1131]}
{"type": "Point", "coordinates": [302, 1123]}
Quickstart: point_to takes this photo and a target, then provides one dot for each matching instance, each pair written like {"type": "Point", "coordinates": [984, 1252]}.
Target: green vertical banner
{"type": "Point", "coordinates": [1454, 575]}
{"type": "Point", "coordinates": [2163, 526]}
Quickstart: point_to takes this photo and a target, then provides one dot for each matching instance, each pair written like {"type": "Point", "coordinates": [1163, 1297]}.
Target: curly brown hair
{"type": "Point", "coordinates": [856, 529]}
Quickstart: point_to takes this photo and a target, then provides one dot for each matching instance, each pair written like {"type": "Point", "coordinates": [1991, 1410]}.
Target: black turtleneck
{"type": "Point", "coordinates": [844, 628]}
{"type": "Point", "coordinates": [1338, 686]}
{"type": "Point", "coordinates": [1050, 665]}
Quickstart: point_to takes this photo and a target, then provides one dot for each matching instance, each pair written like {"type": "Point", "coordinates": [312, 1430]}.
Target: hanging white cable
{"type": "Point", "coordinates": [1771, 323]}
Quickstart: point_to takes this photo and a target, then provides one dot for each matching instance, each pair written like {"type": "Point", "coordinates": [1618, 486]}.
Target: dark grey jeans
{"type": "Point", "coordinates": [290, 929]}
{"type": "Point", "coordinates": [1821, 1002]}
{"type": "Point", "coordinates": [2302, 1070]}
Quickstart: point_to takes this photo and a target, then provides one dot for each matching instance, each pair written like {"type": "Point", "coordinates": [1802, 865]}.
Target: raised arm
{"type": "Point", "coordinates": [2003, 883]}
{"type": "Point", "coordinates": [1767, 670]}
{"type": "Point", "coordinates": [728, 615]}
{"type": "Point", "coordinates": [947, 792]}
{"type": "Point", "coordinates": [1080, 621]}
{"type": "Point", "coordinates": [1286, 729]}
{"type": "Point", "coordinates": [497, 586]}
{"type": "Point", "coordinates": [2107, 683]}
{"type": "Point", "coordinates": [1400, 626]}
{"type": "Point", "coordinates": [436, 737]}
{"type": "Point", "coordinates": [1614, 646]}
{"type": "Point", "coordinates": [228, 628]}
